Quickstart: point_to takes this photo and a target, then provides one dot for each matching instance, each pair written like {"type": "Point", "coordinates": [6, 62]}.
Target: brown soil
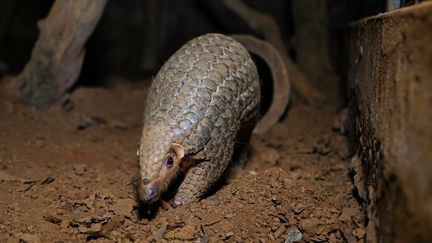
{"type": "Point", "coordinates": [67, 174]}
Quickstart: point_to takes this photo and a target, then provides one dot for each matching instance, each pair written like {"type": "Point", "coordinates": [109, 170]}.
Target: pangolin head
{"type": "Point", "coordinates": [159, 162]}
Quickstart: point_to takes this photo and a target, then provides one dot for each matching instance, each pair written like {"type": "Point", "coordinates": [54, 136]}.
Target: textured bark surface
{"type": "Point", "coordinates": [58, 54]}
{"type": "Point", "coordinates": [390, 97]}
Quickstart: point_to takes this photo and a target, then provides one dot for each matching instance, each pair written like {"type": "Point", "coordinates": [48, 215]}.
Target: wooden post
{"type": "Point", "coordinates": [58, 54]}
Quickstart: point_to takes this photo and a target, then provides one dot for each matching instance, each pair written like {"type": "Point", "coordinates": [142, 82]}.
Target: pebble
{"type": "Point", "coordinates": [204, 239]}
{"type": "Point", "coordinates": [230, 215]}
{"type": "Point", "coordinates": [310, 225]}
{"type": "Point", "coordinates": [28, 238]}
{"type": "Point", "coordinates": [4, 176]}
{"type": "Point", "coordinates": [227, 235]}
{"type": "Point", "coordinates": [124, 207]}
{"type": "Point", "coordinates": [158, 235]}
{"type": "Point", "coordinates": [79, 168]}
{"type": "Point", "coordinates": [185, 233]}
{"type": "Point", "coordinates": [211, 218]}
{"type": "Point", "coordinates": [279, 231]}
{"type": "Point", "coordinates": [52, 219]}
{"type": "Point", "coordinates": [359, 233]}
{"type": "Point", "coordinates": [294, 234]}
{"type": "Point", "coordinates": [113, 224]}
{"type": "Point", "coordinates": [13, 206]}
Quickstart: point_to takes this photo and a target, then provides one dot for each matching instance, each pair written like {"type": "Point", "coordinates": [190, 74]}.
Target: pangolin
{"type": "Point", "coordinates": [202, 103]}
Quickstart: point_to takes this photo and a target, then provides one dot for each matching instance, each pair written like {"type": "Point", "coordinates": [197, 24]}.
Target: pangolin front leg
{"type": "Point", "coordinates": [200, 178]}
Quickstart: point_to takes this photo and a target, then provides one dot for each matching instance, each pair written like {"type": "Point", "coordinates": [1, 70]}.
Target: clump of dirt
{"type": "Point", "coordinates": [67, 174]}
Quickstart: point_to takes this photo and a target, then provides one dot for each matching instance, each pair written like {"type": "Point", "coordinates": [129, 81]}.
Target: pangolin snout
{"type": "Point", "coordinates": [148, 193]}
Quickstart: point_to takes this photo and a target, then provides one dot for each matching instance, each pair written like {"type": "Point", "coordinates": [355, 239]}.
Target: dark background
{"type": "Point", "coordinates": [134, 37]}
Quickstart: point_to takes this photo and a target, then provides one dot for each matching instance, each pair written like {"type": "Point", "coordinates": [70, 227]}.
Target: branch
{"type": "Point", "coordinates": [58, 54]}
{"type": "Point", "coordinates": [267, 26]}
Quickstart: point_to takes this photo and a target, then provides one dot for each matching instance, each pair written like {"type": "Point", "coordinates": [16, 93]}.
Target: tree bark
{"type": "Point", "coordinates": [58, 54]}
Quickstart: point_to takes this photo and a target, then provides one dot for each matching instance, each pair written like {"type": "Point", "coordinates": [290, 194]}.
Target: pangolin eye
{"type": "Point", "coordinates": [169, 161]}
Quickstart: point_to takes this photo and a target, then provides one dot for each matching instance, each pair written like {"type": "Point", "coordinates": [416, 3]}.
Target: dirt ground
{"type": "Point", "coordinates": [67, 174]}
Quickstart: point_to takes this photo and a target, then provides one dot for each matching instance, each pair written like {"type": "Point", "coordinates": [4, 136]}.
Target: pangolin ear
{"type": "Point", "coordinates": [178, 149]}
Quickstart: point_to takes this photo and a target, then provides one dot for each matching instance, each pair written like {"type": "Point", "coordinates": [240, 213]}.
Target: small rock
{"type": "Point", "coordinates": [84, 223]}
{"type": "Point", "coordinates": [158, 234]}
{"type": "Point", "coordinates": [30, 229]}
{"type": "Point", "coordinates": [124, 207]}
{"type": "Point", "coordinates": [213, 201]}
{"type": "Point", "coordinates": [4, 176]}
{"type": "Point", "coordinates": [80, 168]}
{"type": "Point", "coordinates": [275, 224]}
{"type": "Point", "coordinates": [358, 176]}
{"type": "Point", "coordinates": [279, 231]}
{"type": "Point", "coordinates": [192, 220]}
{"type": "Point", "coordinates": [340, 122]}
{"type": "Point", "coordinates": [311, 226]}
{"type": "Point", "coordinates": [225, 236]}
{"type": "Point", "coordinates": [230, 215]}
{"type": "Point", "coordinates": [119, 125]}
{"type": "Point", "coordinates": [186, 233]}
{"type": "Point", "coordinates": [321, 238]}
{"type": "Point", "coordinates": [252, 172]}
{"type": "Point", "coordinates": [333, 238]}
{"type": "Point", "coordinates": [64, 224]}
{"type": "Point", "coordinates": [211, 218]}
{"type": "Point", "coordinates": [112, 225]}
{"type": "Point", "coordinates": [94, 229]}
{"type": "Point", "coordinates": [271, 237]}
{"type": "Point", "coordinates": [294, 235]}
{"type": "Point", "coordinates": [213, 239]}
{"type": "Point", "coordinates": [347, 214]}
{"type": "Point", "coordinates": [90, 121]}
{"type": "Point", "coordinates": [204, 239]}
{"type": "Point", "coordinates": [67, 104]}
{"type": "Point", "coordinates": [4, 236]}
{"type": "Point", "coordinates": [359, 233]}
{"type": "Point", "coordinates": [269, 155]}
{"type": "Point", "coordinates": [98, 120]}
{"type": "Point", "coordinates": [47, 180]}
{"type": "Point", "coordinates": [13, 206]}
{"type": "Point", "coordinates": [276, 201]}
{"type": "Point", "coordinates": [52, 219]}
{"type": "Point", "coordinates": [299, 208]}
{"type": "Point", "coordinates": [26, 186]}
{"type": "Point", "coordinates": [28, 238]}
